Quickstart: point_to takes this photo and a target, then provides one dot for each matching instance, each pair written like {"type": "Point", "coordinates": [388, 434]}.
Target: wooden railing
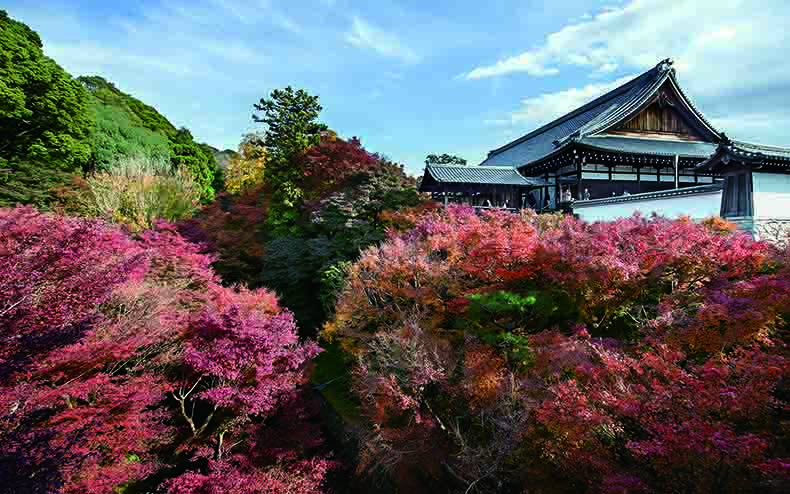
{"type": "Point", "coordinates": [484, 208]}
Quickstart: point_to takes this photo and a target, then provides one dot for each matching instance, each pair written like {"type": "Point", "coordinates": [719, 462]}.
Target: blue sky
{"type": "Point", "coordinates": [417, 77]}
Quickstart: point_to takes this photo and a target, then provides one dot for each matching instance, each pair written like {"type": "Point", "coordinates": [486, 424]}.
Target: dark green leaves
{"type": "Point", "coordinates": [43, 111]}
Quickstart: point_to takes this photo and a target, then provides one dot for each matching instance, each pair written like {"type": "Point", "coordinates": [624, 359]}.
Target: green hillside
{"type": "Point", "coordinates": [126, 127]}
{"type": "Point", "coordinates": [54, 127]}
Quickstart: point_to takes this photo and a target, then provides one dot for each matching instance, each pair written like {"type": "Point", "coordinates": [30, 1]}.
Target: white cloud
{"type": "Point", "coordinates": [89, 58]}
{"type": "Point", "coordinates": [530, 62]}
{"type": "Point", "coordinates": [708, 39]}
{"type": "Point", "coordinates": [730, 58]}
{"type": "Point", "coordinates": [364, 35]}
{"type": "Point", "coordinates": [541, 109]}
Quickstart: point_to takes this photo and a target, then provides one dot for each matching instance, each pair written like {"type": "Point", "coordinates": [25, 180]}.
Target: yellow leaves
{"type": "Point", "coordinates": [329, 332]}
{"type": "Point", "coordinates": [246, 171]}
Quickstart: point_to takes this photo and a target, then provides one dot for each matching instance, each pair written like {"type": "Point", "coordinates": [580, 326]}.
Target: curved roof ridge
{"type": "Point", "coordinates": [599, 115]}
{"type": "Point", "coordinates": [766, 147]}
{"type": "Point", "coordinates": [578, 111]}
{"type": "Point", "coordinates": [483, 167]}
{"type": "Point", "coordinates": [691, 105]}
{"type": "Point", "coordinates": [619, 112]}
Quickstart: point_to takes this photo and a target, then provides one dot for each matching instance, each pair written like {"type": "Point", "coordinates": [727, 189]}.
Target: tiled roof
{"type": "Point", "coordinates": [594, 117]}
{"type": "Point", "coordinates": [479, 175]}
{"type": "Point", "coordinates": [747, 152]}
{"type": "Point", "coordinates": [658, 147]}
{"type": "Point", "coordinates": [661, 194]}
{"type": "Point", "coordinates": [752, 149]}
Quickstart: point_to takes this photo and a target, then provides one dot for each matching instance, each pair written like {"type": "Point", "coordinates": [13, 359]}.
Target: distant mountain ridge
{"type": "Point", "coordinates": [223, 157]}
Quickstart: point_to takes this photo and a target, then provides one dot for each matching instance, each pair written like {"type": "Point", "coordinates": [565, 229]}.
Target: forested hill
{"type": "Point", "coordinates": [126, 126]}
{"type": "Point", "coordinates": [142, 119]}
{"type": "Point", "coordinates": [53, 126]}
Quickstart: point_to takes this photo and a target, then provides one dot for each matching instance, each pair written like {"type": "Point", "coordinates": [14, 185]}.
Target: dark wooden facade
{"type": "Point", "coordinates": [607, 173]}
{"type": "Point", "coordinates": [660, 119]}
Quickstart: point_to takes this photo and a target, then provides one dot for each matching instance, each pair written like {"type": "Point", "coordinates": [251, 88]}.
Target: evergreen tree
{"type": "Point", "coordinates": [291, 119]}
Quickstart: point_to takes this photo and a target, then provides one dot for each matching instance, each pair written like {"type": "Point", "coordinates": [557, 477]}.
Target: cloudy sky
{"type": "Point", "coordinates": [413, 77]}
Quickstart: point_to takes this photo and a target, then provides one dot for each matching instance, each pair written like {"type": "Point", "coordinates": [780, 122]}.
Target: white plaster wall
{"type": "Point", "coordinates": [771, 195]}
{"type": "Point", "coordinates": [697, 206]}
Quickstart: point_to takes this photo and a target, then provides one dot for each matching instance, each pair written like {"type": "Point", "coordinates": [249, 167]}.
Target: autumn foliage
{"type": "Point", "coordinates": [347, 196]}
{"type": "Point", "coordinates": [330, 163]}
{"type": "Point", "coordinates": [125, 365]}
{"type": "Point", "coordinates": [499, 352]}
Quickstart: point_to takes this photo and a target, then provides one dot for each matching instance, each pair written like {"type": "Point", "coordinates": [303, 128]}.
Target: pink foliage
{"type": "Point", "coordinates": [51, 283]}
{"type": "Point", "coordinates": [102, 337]}
{"type": "Point", "coordinates": [255, 356]}
{"type": "Point", "coordinates": [227, 477]}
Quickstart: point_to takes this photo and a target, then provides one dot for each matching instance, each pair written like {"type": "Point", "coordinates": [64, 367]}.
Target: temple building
{"type": "Point", "coordinates": [644, 147]}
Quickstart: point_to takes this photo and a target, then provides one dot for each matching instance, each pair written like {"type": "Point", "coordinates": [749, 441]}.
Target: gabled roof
{"type": "Point", "coordinates": [748, 153]}
{"type": "Point", "coordinates": [499, 175]}
{"type": "Point", "coordinates": [597, 116]}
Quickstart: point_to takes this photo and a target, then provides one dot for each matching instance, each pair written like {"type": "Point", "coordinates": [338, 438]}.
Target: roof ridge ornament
{"type": "Point", "coordinates": [665, 65]}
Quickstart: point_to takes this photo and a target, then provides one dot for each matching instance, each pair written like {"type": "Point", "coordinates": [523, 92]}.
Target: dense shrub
{"type": "Point", "coordinates": [196, 161]}
{"type": "Point", "coordinates": [542, 354]}
{"type": "Point", "coordinates": [74, 198]}
{"type": "Point", "coordinates": [31, 182]}
{"type": "Point", "coordinates": [139, 190]}
{"type": "Point", "coordinates": [126, 366]}
{"type": "Point", "coordinates": [230, 229]}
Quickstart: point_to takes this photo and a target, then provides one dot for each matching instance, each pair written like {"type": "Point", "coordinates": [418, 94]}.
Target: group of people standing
{"type": "Point", "coordinates": [565, 196]}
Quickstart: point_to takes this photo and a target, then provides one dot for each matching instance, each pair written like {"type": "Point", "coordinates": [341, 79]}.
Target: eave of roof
{"type": "Point", "coordinates": [654, 147]}
{"type": "Point", "coordinates": [752, 149]}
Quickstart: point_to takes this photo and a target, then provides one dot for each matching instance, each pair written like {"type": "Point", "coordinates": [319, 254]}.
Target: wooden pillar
{"type": "Point", "coordinates": [677, 171]}
{"type": "Point", "coordinates": [638, 179]}
{"type": "Point", "coordinates": [557, 189]}
{"type": "Point", "coordinates": [545, 190]}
